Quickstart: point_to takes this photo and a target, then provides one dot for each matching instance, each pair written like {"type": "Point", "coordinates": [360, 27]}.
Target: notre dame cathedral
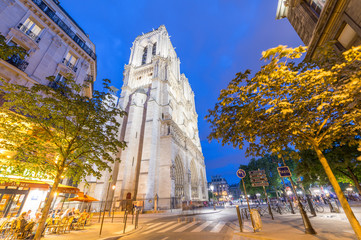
{"type": "Point", "coordinates": [164, 157]}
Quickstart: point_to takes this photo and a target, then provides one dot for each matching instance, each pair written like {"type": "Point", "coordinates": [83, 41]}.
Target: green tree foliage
{"type": "Point", "coordinates": [7, 51]}
{"type": "Point", "coordinates": [57, 132]}
{"type": "Point", "coordinates": [269, 163]}
{"type": "Point", "coordinates": [299, 104]}
{"type": "Point", "coordinates": [342, 160]}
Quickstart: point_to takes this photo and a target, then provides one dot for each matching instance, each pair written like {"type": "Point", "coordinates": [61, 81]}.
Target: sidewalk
{"type": "Point", "coordinates": [110, 231]}
{"type": "Point", "coordinates": [114, 230]}
{"type": "Point", "coordinates": [329, 226]}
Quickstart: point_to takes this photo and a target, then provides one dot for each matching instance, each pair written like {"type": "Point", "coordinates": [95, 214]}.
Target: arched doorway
{"type": "Point", "coordinates": [194, 181]}
{"type": "Point", "coordinates": [179, 178]}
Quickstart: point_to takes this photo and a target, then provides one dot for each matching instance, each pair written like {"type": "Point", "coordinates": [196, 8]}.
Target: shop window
{"type": "Point", "coordinates": [347, 37]}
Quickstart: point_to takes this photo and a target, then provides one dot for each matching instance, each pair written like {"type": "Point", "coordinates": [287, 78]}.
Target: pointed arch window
{"type": "Point", "coordinates": [144, 58]}
{"type": "Point", "coordinates": [154, 49]}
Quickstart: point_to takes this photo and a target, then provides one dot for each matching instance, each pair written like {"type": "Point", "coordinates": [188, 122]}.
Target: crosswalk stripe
{"type": "Point", "coordinates": [157, 228]}
{"type": "Point", "coordinates": [186, 227]}
{"type": "Point", "coordinates": [156, 224]}
{"type": "Point", "coordinates": [171, 227]}
{"type": "Point", "coordinates": [201, 227]}
{"type": "Point", "coordinates": [218, 227]}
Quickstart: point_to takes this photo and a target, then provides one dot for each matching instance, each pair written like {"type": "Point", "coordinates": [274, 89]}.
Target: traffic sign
{"type": "Point", "coordinates": [260, 184]}
{"type": "Point", "coordinates": [241, 173]}
{"type": "Point", "coordinates": [258, 172]}
{"type": "Point", "coordinates": [257, 175]}
{"type": "Point", "coordinates": [258, 180]}
{"type": "Point", "coordinates": [284, 171]}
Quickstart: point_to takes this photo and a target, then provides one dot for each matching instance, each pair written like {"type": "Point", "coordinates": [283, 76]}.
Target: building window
{"type": "Point", "coordinates": [347, 37]}
{"type": "Point", "coordinates": [16, 60]}
{"type": "Point", "coordinates": [317, 5]}
{"type": "Point", "coordinates": [70, 61]}
{"type": "Point", "coordinates": [59, 82]}
{"type": "Point", "coordinates": [154, 49]}
{"type": "Point", "coordinates": [31, 29]}
{"type": "Point", "coordinates": [144, 57]}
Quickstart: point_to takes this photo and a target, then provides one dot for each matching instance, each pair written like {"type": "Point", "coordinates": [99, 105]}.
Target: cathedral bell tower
{"type": "Point", "coordinates": [163, 157]}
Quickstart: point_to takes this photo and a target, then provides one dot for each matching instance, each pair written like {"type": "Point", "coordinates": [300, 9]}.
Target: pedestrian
{"type": "Point", "coordinates": [28, 215]}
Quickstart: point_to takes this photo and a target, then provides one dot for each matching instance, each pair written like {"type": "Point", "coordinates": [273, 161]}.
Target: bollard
{"type": "Point", "coordinates": [279, 209]}
{"type": "Point", "coordinates": [113, 215]}
{"type": "Point", "coordinates": [312, 209]}
{"type": "Point", "coordinates": [330, 205]}
{"type": "Point", "coordinates": [239, 219]}
{"type": "Point", "coordinates": [125, 221]}
{"type": "Point", "coordinates": [100, 211]}
{"type": "Point", "coordinates": [133, 217]}
{"type": "Point", "coordinates": [136, 219]}
{"type": "Point", "coordinates": [125, 213]}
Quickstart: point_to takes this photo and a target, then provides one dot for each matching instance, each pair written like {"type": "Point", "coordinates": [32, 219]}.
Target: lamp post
{"type": "Point", "coordinates": [105, 205]}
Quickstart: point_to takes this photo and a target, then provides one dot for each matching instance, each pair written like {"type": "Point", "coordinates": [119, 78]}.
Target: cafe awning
{"type": "Point", "coordinates": [83, 198]}
{"type": "Point", "coordinates": [44, 185]}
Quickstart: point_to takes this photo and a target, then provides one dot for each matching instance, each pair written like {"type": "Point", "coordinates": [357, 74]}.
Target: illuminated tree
{"type": "Point", "coordinates": [57, 132]}
{"type": "Point", "coordinates": [299, 104]}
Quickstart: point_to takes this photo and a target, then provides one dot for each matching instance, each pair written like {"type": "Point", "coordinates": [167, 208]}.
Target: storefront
{"type": "Point", "coordinates": [19, 195]}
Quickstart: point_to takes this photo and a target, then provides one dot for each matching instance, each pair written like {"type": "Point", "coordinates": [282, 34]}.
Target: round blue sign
{"type": "Point", "coordinates": [241, 173]}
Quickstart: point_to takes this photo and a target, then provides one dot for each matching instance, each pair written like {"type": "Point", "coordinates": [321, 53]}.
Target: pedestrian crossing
{"type": "Point", "coordinates": [177, 227]}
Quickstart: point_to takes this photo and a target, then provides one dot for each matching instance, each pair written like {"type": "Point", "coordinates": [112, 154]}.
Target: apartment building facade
{"type": "Point", "coordinates": [320, 21]}
{"type": "Point", "coordinates": [55, 44]}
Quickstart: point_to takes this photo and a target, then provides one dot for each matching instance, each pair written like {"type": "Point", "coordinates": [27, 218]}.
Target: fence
{"type": "Point", "coordinates": [128, 204]}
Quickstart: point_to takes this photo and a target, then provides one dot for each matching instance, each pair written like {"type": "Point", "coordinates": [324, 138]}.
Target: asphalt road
{"type": "Point", "coordinates": [210, 226]}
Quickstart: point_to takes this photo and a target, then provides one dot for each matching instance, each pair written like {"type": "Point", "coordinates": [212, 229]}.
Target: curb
{"type": "Point", "coordinates": [200, 213]}
{"type": "Point", "coordinates": [252, 236]}
{"type": "Point", "coordinates": [123, 235]}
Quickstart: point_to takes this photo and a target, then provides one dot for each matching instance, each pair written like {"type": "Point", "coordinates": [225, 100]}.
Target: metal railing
{"type": "Point", "coordinates": [51, 14]}
{"type": "Point", "coordinates": [69, 64]}
{"type": "Point", "coordinates": [16, 61]}
{"type": "Point", "coordinates": [28, 32]}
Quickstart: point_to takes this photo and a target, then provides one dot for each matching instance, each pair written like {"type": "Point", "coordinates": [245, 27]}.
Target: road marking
{"type": "Point", "coordinates": [154, 225]}
{"type": "Point", "coordinates": [218, 227]}
{"type": "Point", "coordinates": [186, 227]}
{"type": "Point", "coordinates": [157, 228]}
{"type": "Point", "coordinates": [201, 227]}
{"type": "Point", "coordinates": [171, 227]}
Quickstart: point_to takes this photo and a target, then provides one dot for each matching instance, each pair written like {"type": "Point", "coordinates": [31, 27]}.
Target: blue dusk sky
{"type": "Point", "coordinates": [214, 40]}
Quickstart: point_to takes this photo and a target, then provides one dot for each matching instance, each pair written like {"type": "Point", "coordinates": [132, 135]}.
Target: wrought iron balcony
{"type": "Point", "coordinates": [18, 62]}
{"type": "Point", "coordinates": [28, 32]}
{"type": "Point", "coordinates": [69, 64]}
{"type": "Point", "coordinates": [51, 14]}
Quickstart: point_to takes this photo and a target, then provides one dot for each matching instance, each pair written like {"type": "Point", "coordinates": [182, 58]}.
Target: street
{"type": "Point", "coordinates": [209, 225]}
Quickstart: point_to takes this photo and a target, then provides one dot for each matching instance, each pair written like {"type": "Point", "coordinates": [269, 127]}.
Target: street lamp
{"type": "Point", "coordinates": [212, 188]}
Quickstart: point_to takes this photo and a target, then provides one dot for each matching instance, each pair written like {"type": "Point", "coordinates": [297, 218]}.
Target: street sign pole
{"type": "Point", "coordinates": [306, 221]}
{"type": "Point", "coordinates": [268, 203]}
{"type": "Point", "coordinates": [286, 197]}
{"type": "Point", "coordinates": [249, 208]}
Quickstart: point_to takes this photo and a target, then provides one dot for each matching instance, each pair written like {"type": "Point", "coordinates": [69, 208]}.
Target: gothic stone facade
{"type": "Point", "coordinates": [164, 156]}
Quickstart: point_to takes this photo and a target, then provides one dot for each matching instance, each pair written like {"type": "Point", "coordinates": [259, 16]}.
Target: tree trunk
{"type": "Point", "coordinates": [47, 206]}
{"type": "Point", "coordinates": [341, 197]}
{"type": "Point", "coordinates": [354, 179]}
